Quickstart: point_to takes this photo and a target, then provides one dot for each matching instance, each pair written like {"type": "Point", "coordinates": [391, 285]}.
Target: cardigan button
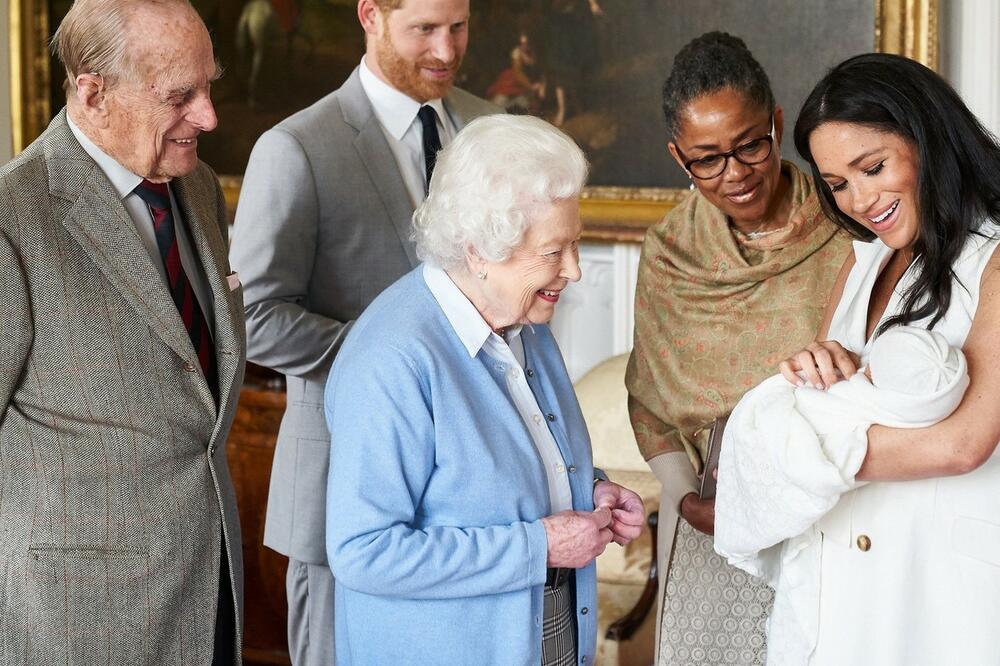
{"type": "Point", "coordinates": [572, 469]}
{"type": "Point", "coordinates": [529, 372]}
{"type": "Point", "coordinates": [550, 416]}
{"type": "Point", "coordinates": [864, 543]}
{"type": "Point", "coordinates": [584, 610]}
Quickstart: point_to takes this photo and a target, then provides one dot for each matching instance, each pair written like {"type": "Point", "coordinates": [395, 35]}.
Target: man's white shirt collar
{"type": "Point", "coordinates": [123, 180]}
{"type": "Point", "coordinates": [395, 110]}
{"type": "Point", "coordinates": [463, 316]}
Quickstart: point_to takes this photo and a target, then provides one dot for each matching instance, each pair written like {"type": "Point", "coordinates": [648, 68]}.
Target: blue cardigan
{"type": "Point", "coordinates": [436, 492]}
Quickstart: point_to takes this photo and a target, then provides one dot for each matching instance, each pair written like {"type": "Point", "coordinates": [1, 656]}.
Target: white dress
{"type": "Point", "coordinates": [926, 591]}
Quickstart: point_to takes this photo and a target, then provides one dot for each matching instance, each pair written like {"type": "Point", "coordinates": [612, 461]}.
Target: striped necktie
{"type": "Point", "coordinates": [157, 197]}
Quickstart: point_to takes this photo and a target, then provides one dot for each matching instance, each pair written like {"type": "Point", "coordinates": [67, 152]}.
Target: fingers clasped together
{"type": "Point", "coordinates": [575, 538]}
{"type": "Point", "coordinates": [627, 512]}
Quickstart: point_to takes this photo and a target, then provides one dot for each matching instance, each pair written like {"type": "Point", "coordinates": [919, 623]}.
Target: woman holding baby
{"type": "Point", "coordinates": [909, 571]}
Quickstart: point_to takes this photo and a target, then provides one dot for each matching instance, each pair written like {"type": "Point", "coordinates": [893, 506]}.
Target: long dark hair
{"type": "Point", "coordinates": [959, 162]}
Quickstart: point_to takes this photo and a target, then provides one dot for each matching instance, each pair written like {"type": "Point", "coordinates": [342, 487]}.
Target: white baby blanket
{"type": "Point", "coordinates": [789, 453]}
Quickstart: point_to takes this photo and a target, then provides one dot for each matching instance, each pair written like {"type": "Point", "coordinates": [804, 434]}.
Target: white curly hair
{"type": "Point", "coordinates": [489, 183]}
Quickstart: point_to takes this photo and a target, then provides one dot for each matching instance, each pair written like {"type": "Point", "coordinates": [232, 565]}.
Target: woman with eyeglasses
{"type": "Point", "coordinates": [731, 281]}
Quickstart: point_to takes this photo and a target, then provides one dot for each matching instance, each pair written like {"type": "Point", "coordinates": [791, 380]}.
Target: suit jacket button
{"type": "Point", "coordinates": [864, 543]}
{"type": "Point", "coordinates": [188, 366]}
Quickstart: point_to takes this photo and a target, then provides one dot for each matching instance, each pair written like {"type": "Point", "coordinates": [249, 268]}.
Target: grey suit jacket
{"type": "Point", "coordinates": [114, 486]}
{"type": "Point", "coordinates": [322, 227]}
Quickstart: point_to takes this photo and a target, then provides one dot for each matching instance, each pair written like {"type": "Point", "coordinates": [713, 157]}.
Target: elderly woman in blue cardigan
{"type": "Point", "coordinates": [461, 519]}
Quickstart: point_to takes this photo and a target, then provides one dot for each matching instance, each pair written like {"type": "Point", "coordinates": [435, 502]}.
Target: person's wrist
{"type": "Point", "coordinates": [599, 476]}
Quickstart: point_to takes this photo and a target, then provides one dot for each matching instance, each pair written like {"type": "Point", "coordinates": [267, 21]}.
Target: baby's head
{"type": "Point", "coordinates": [911, 360]}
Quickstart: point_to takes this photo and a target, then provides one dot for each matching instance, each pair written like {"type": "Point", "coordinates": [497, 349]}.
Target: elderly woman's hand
{"type": "Point", "coordinates": [575, 538]}
{"type": "Point", "coordinates": [822, 364]}
{"type": "Point", "coordinates": [627, 512]}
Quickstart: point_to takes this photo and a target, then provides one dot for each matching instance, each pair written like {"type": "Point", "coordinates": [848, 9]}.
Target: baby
{"type": "Point", "coordinates": [789, 453]}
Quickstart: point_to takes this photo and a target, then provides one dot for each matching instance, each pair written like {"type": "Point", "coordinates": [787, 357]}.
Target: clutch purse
{"type": "Point", "coordinates": [715, 430]}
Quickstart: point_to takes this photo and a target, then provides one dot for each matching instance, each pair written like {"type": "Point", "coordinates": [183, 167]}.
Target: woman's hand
{"type": "Point", "coordinates": [627, 512]}
{"type": "Point", "coordinates": [699, 512]}
{"type": "Point", "coordinates": [822, 364]}
{"type": "Point", "coordinates": [575, 538]}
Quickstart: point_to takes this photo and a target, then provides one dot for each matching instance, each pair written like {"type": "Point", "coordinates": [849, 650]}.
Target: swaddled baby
{"type": "Point", "coordinates": [789, 453]}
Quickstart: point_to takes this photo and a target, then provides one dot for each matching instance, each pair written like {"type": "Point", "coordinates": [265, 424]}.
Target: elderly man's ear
{"type": "Point", "coordinates": [92, 98]}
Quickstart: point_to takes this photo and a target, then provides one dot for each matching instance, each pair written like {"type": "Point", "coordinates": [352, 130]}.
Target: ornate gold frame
{"type": "Point", "coordinates": [907, 27]}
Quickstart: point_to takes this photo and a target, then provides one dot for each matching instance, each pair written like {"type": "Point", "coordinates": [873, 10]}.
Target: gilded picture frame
{"type": "Point", "coordinates": [612, 212]}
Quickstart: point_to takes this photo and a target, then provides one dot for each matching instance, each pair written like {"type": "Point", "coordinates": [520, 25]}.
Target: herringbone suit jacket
{"type": "Point", "coordinates": [115, 495]}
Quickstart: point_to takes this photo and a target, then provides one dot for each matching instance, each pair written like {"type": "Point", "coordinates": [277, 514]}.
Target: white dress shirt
{"type": "Point", "coordinates": [476, 334]}
{"type": "Point", "coordinates": [124, 182]}
{"type": "Point", "coordinates": [397, 114]}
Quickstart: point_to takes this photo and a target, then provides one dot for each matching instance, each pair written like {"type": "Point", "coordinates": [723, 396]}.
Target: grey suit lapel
{"type": "Point", "coordinates": [96, 218]}
{"type": "Point", "coordinates": [374, 152]}
{"type": "Point", "coordinates": [458, 111]}
{"type": "Point", "coordinates": [98, 221]}
{"type": "Point", "coordinates": [195, 199]}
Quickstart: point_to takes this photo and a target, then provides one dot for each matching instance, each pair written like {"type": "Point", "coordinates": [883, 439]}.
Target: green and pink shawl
{"type": "Point", "coordinates": [715, 313]}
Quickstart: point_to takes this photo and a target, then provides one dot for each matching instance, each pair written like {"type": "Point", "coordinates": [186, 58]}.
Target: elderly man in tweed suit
{"type": "Point", "coordinates": [121, 355]}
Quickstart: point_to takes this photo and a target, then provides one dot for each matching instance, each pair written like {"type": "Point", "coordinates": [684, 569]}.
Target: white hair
{"type": "Point", "coordinates": [94, 37]}
{"type": "Point", "coordinates": [489, 182]}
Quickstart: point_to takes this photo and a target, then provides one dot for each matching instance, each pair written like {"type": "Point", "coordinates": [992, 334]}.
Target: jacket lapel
{"type": "Point", "coordinates": [196, 198]}
{"type": "Point", "coordinates": [98, 221]}
{"type": "Point", "coordinates": [458, 110]}
{"type": "Point", "coordinates": [374, 152]}
{"type": "Point", "coordinates": [96, 218]}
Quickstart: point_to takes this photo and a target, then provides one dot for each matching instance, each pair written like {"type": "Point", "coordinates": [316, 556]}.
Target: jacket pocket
{"type": "Point", "coordinates": [87, 605]}
{"type": "Point", "coordinates": [978, 539]}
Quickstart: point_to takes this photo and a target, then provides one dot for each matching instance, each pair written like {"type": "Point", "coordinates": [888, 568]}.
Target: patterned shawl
{"type": "Point", "coordinates": [716, 312]}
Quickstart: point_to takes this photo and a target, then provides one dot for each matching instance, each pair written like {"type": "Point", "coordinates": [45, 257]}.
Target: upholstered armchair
{"type": "Point", "coordinates": [626, 588]}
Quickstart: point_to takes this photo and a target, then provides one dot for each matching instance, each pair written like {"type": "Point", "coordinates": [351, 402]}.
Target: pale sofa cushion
{"type": "Point", "coordinates": [604, 401]}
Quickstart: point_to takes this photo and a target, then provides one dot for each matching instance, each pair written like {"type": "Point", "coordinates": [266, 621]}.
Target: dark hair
{"type": "Point", "coordinates": [958, 162]}
{"type": "Point", "coordinates": [710, 63]}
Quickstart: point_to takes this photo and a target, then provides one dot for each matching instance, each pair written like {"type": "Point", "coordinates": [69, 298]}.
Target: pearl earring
{"type": "Point", "coordinates": [481, 275]}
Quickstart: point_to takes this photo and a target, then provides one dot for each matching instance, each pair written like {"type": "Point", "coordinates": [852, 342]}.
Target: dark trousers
{"type": "Point", "coordinates": [225, 618]}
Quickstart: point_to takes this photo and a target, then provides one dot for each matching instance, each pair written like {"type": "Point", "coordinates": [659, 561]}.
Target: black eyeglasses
{"type": "Point", "coordinates": [750, 153]}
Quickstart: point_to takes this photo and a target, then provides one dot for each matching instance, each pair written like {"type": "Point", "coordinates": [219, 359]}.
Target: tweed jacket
{"type": "Point", "coordinates": [323, 226]}
{"type": "Point", "coordinates": [115, 493]}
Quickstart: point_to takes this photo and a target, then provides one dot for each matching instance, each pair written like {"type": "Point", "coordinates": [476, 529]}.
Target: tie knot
{"type": "Point", "coordinates": [428, 116]}
{"type": "Point", "coordinates": [156, 195]}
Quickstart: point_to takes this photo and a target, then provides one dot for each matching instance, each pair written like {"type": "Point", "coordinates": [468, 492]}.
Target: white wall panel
{"type": "Point", "coordinates": [970, 39]}
{"type": "Point", "coordinates": [593, 320]}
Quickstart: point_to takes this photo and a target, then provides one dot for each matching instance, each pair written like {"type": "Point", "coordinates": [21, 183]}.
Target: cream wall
{"type": "Point", "coordinates": [5, 128]}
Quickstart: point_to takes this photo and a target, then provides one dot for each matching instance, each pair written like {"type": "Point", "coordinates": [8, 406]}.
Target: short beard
{"type": "Point", "coordinates": [405, 76]}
